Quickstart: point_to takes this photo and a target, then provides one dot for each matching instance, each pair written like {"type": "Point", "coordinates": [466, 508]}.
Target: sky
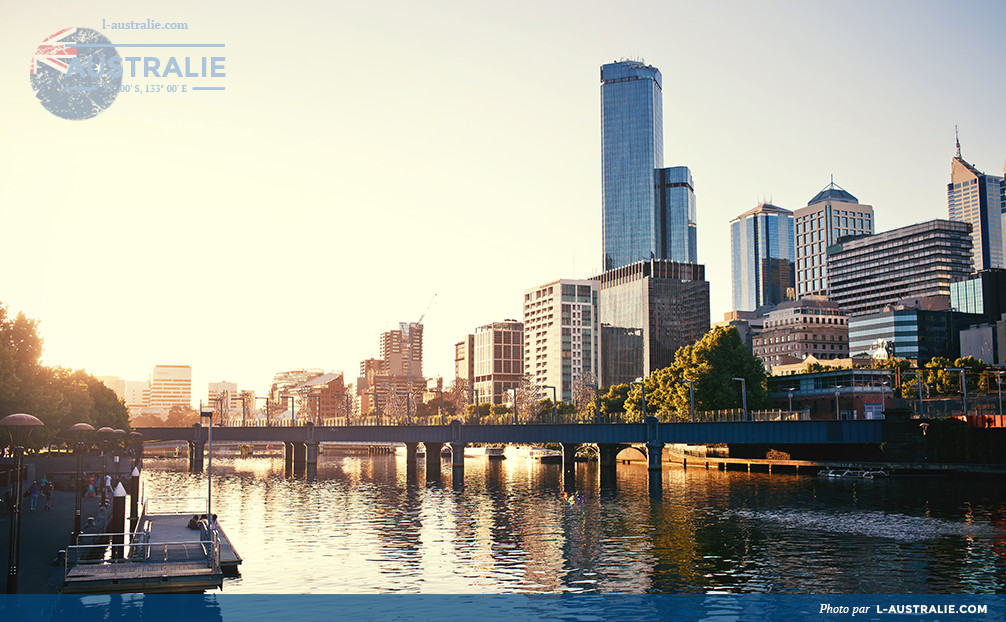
{"type": "Point", "coordinates": [366, 157]}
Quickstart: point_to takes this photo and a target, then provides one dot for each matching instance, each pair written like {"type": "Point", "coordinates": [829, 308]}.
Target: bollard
{"type": "Point", "coordinates": [134, 499]}
{"type": "Point", "coordinates": [118, 525]}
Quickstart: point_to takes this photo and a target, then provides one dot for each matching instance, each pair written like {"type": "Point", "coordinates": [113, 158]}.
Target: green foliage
{"type": "Point", "coordinates": [58, 397]}
{"type": "Point", "coordinates": [711, 364]}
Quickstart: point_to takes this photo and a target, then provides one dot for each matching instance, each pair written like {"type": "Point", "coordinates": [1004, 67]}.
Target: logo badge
{"type": "Point", "coordinates": [76, 73]}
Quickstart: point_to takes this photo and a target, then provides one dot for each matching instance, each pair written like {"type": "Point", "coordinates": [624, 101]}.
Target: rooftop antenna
{"type": "Point", "coordinates": [957, 136]}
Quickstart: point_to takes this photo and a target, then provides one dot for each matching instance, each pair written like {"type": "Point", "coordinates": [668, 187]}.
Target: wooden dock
{"type": "Point", "coordinates": [166, 556]}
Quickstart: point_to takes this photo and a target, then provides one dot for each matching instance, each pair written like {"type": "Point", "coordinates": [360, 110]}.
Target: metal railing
{"type": "Point", "coordinates": [175, 505]}
{"type": "Point", "coordinates": [137, 549]}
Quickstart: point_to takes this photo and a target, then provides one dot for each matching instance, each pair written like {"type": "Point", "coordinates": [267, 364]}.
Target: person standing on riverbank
{"type": "Point", "coordinates": [47, 488]}
{"type": "Point", "coordinates": [32, 494]}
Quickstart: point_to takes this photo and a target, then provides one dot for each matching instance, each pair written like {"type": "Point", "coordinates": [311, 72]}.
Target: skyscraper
{"type": "Point", "coordinates": [762, 257]}
{"type": "Point", "coordinates": [649, 211]}
{"type": "Point", "coordinates": [977, 198]}
{"type": "Point", "coordinates": [170, 385]}
{"type": "Point", "coordinates": [831, 214]}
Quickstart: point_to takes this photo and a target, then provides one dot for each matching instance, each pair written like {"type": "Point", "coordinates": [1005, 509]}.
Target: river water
{"type": "Point", "coordinates": [363, 525]}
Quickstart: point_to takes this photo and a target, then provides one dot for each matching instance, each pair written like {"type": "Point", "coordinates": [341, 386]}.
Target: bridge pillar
{"type": "Point", "coordinates": [299, 457]}
{"type": "Point", "coordinates": [606, 453]}
{"type": "Point", "coordinates": [458, 465]}
{"type": "Point", "coordinates": [411, 462]}
{"type": "Point", "coordinates": [569, 466]}
{"type": "Point", "coordinates": [288, 457]}
{"type": "Point", "coordinates": [654, 456]}
{"type": "Point", "coordinates": [311, 457]}
{"type": "Point", "coordinates": [196, 456]}
{"type": "Point", "coordinates": [433, 461]}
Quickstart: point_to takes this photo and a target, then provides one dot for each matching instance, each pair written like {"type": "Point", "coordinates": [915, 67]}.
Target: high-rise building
{"type": "Point", "coordinates": [977, 198]}
{"type": "Point", "coordinates": [811, 326]}
{"type": "Point", "coordinates": [917, 329]}
{"type": "Point", "coordinates": [762, 255]}
{"type": "Point", "coordinates": [982, 293]}
{"type": "Point", "coordinates": [170, 385]}
{"type": "Point", "coordinates": [649, 309]}
{"type": "Point", "coordinates": [649, 211]}
{"type": "Point", "coordinates": [402, 350]}
{"type": "Point", "coordinates": [464, 359]}
{"type": "Point", "coordinates": [870, 272]}
{"type": "Point", "coordinates": [831, 214]}
{"type": "Point", "coordinates": [393, 383]}
{"type": "Point", "coordinates": [499, 359]}
{"type": "Point", "coordinates": [561, 335]}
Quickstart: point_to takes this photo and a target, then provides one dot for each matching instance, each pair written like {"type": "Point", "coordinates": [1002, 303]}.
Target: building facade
{"type": "Point", "coordinates": [648, 310]}
{"type": "Point", "coordinates": [811, 326]}
{"type": "Point", "coordinates": [976, 198]}
{"type": "Point", "coordinates": [215, 391]}
{"type": "Point", "coordinates": [871, 272]}
{"type": "Point", "coordinates": [648, 211]}
{"type": "Point", "coordinates": [499, 359]}
{"type": "Point", "coordinates": [917, 330]}
{"type": "Point", "coordinates": [561, 337]}
{"type": "Point", "coordinates": [392, 385]}
{"type": "Point", "coordinates": [831, 214]}
{"type": "Point", "coordinates": [464, 359]}
{"type": "Point", "coordinates": [762, 257]}
{"type": "Point", "coordinates": [982, 293]}
{"type": "Point", "coordinates": [170, 385]}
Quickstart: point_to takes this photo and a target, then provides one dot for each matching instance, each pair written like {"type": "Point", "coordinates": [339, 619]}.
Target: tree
{"type": "Point", "coordinates": [711, 364]}
{"type": "Point", "coordinates": [181, 417]}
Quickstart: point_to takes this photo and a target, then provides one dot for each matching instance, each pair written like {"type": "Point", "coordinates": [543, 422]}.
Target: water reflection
{"type": "Point", "coordinates": [369, 524]}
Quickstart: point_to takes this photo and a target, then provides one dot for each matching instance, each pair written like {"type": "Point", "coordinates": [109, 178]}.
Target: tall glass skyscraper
{"type": "Point", "coordinates": [649, 211]}
{"type": "Point", "coordinates": [977, 198]}
{"type": "Point", "coordinates": [762, 254]}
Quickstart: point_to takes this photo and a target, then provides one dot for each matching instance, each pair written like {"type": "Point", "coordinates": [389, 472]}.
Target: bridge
{"type": "Point", "coordinates": [649, 437]}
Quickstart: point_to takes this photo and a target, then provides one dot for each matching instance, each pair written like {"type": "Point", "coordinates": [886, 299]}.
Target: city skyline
{"type": "Point", "coordinates": [198, 231]}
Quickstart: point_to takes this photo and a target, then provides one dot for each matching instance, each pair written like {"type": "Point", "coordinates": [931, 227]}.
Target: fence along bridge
{"type": "Point", "coordinates": [650, 437]}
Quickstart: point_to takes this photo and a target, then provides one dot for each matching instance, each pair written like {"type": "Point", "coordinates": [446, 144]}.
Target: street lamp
{"type": "Point", "coordinates": [999, 382]}
{"type": "Point", "coordinates": [964, 389]}
{"type": "Point", "coordinates": [317, 414]}
{"type": "Point", "coordinates": [293, 409]}
{"type": "Point", "coordinates": [18, 428]}
{"type": "Point", "coordinates": [597, 401]}
{"type": "Point", "coordinates": [119, 434]}
{"type": "Point", "coordinates": [642, 387]}
{"type": "Point", "coordinates": [106, 434]}
{"type": "Point", "coordinates": [441, 412]}
{"type": "Point", "coordinates": [744, 395]}
{"type": "Point", "coordinates": [691, 397]}
{"type": "Point", "coordinates": [208, 414]}
{"type": "Point", "coordinates": [266, 409]}
{"type": "Point", "coordinates": [345, 395]}
{"type": "Point", "coordinates": [514, 389]}
{"type": "Point", "coordinates": [838, 412]}
{"type": "Point", "coordinates": [555, 408]}
{"type": "Point", "coordinates": [791, 389]}
{"type": "Point", "coordinates": [78, 432]}
{"type": "Point", "coordinates": [918, 386]}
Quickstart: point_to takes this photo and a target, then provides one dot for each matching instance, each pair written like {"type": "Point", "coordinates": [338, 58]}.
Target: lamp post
{"type": "Point", "coordinates": [838, 412]}
{"type": "Point", "coordinates": [514, 389]}
{"type": "Point", "coordinates": [744, 395]}
{"type": "Point", "coordinates": [555, 409]}
{"type": "Point", "coordinates": [293, 409]}
{"type": "Point", "coordinates": [317, 414]}
{"type": "Point", "coordinates": [78, 431]}
{"type": "Point", "coordinates": [642, 387]}
{"type": "Point", "coordinates": [266, 409]}
{"type": "Point", "coordinates": [119, 436]}
{"type": "Point", "coordinates": [999, 383]}
{"type": "Point", "coordinates": [918, 385]}
{"type": "Point", "coordinates": [597, 401]}
{"type": "Point", "coordinates": [691, 397]}
{"type": "Point", "coordinates": [106, 434]}
{"type": "Point", "coordinates": [791, 389]}
{"type": "Point", "coordinates": [18, 428]}
{"type": "Point", "coordinates": [441, 411]}
{"type": "Point", "coordinates": [208, 414]}
{"type": "Point", "coordinates": [377, 408]}
{"type": "Point", "coordinates": [345, 395]}
{"type": "Point", "coordinates": [244, 414]}
{"type": "Point", "coordinates": [964, 389]}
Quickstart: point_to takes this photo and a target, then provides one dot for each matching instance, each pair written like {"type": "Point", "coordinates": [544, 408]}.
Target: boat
{"type": "Point", "coordinates": [545, 455]}
{"type": "Point", "coordinates": [853, 473]}
{"type": "Point", "coordinates": [496, 453]}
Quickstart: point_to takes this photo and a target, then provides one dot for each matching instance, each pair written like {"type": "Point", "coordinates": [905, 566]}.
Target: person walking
{"type": "Point", "coordinates": [32, 494]}
{"type": "Point", "coordinates": [47, 489]}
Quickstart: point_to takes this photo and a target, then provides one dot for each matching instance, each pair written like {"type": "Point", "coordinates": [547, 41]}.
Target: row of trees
{"type": "Point", "coordinates": [59, 397]}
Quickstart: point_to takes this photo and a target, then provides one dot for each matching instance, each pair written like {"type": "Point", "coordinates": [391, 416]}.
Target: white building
{"type": "Point", "coordinates": [170, 385]}
{"type": "Point", "coordinates": [831, 214]}
{"type": "Point", "coordinates": [560, 334]}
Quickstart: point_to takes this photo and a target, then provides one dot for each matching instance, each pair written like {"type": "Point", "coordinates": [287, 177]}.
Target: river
{"type": "Point", "coordinates": [364, 526]}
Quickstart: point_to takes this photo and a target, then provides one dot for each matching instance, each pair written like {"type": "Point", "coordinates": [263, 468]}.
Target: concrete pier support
{"type": "Point", "coordinates": [606, 453]}
{"type": "Point", "coordinates": [196, 452]}
{"type": "Point", "coordinates": [299, 457]}
{"type": "Point", "coordinates": [288, 457]}
{"type": "Point", "coordinates": [311, 458]}
{"type": "Point", "coordinates": [569, 466]}
{"type": "Point", "coordinates": [411, 462]}
{"type": "Point", "coordinates": [654, 456]}
{"type": "Point", "coordinates": [458, 465]}
{"type": "Point", "coordinates": [433, 461]}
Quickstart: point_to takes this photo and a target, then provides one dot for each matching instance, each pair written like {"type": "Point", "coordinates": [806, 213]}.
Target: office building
{"type": "Point", "coordinates": [170, 386]}
{"type": "Point", "coordinates": [762, 257]}
{"type": "Point", "coordinates": [648, 210]}
{"type": "Point", "coordinates": [868, 273]}
{"type": "Point", "coordinates": [796, 329]}
{"type": "Point", "coordinates": [829, 215]}
{"type": "Point", "coordinates": [499, 359]}
{"type": "Point", "coordinates": [464, 359]}
{"type": "Point", "coordinates": [976, 198]}
{"type": "Point", "coordinates": [394, 383]}
{"type": "Point", "coordinates": [649, 309]}
{"type": "Point", "coordinates": [402, 350]}
{"type": "Point", "coordinates": [917, 329]}
{"type": "Point", "coordinates": [982, 293]}
{"type": "Point", "coordinates": [228, 391]}
{"type": "Point", "coordinates": [561, 343]}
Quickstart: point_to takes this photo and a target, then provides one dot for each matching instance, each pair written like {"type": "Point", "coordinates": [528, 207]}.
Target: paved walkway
{"type": "Point", "coordinates": [43, 534]}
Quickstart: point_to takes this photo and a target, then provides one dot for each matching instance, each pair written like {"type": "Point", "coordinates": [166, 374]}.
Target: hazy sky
{"type": "Point", "coordinates": [366, 156]}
